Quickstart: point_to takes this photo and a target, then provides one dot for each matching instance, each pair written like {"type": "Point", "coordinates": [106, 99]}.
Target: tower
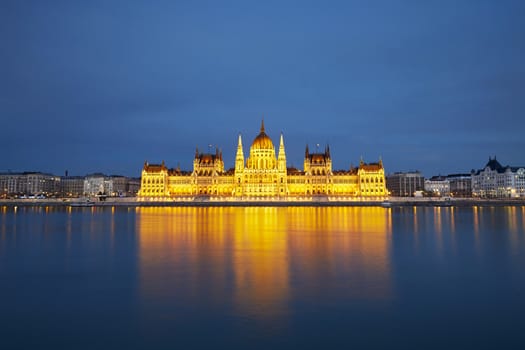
{"type": "Point", "coordinates": [281, 166]}
{"type": "Point", "coordinates": [239, 157]}
{"type": "Point", "coordinates": [306, 164]}
{"type": "Point", "coordinates": [281, 158]}
{"type": "Point", "coordinates": [239, 169]}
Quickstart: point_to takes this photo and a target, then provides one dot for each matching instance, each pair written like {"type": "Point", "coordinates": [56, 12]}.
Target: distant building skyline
{"type": "Point", "coordinates": [24, 184]}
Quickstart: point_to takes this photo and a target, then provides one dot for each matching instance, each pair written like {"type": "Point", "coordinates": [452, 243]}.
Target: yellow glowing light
{"type": "Point", "coordinates": [264, 175]}
{"type": "Point", "coordinates": [256, 247]}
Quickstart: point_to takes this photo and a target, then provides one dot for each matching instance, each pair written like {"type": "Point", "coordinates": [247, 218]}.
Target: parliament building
{"type": "Point", "coordinates": [263, 176]}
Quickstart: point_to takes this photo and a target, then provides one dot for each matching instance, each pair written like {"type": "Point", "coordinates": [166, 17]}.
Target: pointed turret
{"type": "Point", "coordinates": [281, 158]}
{"type": "Point", "coordinates": [281, 147]}
{"type": "Point", "coordinates": [328, 159]}
{"type": "Point", "coordinates": [196, 152]}
{"type": "Point", "coordinates": [239, 146]}
{"type": "Point", "coordinates": [306, 164]}
{"type": "Point", "coordinates": [239, 169]}
{"type": "Point", "coordinates": [262, 125]}
{"type": "Point", "coordinates": [239, 157]}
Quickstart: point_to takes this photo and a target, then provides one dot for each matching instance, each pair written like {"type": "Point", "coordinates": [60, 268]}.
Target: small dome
{"type": "Point", "coordinates": [262, 141]}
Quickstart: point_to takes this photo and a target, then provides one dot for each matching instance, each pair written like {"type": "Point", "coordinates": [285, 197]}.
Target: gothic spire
{"type": "Point", "coordinates": [239, 148]}
{"type": "Point", "coordinates": [239, 157]}
{"type": "Point", "coordinates": [262, 124]}
{"type": "Point", "coordinates": [281, 147]}
{"type": "Point", "coordinates": [239, 143]}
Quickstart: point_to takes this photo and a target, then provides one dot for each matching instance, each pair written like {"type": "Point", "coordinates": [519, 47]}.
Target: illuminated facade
{"type": "Point", "coordinates": [264, 175]}
{"type": "Point", "coordinates": [497, 181]}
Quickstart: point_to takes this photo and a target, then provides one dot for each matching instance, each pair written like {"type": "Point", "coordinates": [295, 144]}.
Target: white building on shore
{"type": "Point", "coordinates": [28, 183]}
{"type": "Point", "coordinates": [454, 185]}
{"type": "Point", "coordinates": [97, 184]}
{"type": "Point", "coordinates": [497, 181]}
{"type": "Point", "coordinates": [438, 186]}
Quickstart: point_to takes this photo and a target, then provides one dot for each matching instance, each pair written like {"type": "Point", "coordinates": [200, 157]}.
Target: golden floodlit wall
{"type": "Point", "coordinates": [264, 175]}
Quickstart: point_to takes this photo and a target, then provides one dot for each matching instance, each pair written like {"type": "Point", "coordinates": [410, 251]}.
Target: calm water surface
{"type": "Point", "coordinates": [176, 278]}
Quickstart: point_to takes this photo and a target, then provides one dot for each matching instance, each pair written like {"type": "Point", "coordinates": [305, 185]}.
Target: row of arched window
{"type": "Point", "coordinates": [153, 181]}
{"type": "Point", "coordinates": [319, 172]}
{"type": "Point", "coordinates": [372, 180]}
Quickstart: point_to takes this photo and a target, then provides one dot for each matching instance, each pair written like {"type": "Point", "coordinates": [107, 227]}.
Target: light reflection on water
{"type": "Point", "coordinates": [266, 254]}
{"type": "Point", "coordinates": [267, 276]}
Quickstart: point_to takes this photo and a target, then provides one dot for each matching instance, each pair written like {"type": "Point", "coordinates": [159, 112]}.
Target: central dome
{"type": "Point", "coordinates": [262, 141]}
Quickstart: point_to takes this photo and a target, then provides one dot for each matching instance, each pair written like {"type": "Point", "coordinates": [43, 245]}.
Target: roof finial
{"type": "Point", "coordinates": [262, 124]}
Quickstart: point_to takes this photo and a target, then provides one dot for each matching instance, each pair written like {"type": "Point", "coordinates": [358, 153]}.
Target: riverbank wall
{"type": "Point", "coordinates": [206, 202]}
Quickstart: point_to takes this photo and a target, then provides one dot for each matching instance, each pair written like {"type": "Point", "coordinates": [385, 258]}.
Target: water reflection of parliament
{"type": "Point", "coordinates": [264, 250]}
{"type": "Point", "coordinates": [264, 175]}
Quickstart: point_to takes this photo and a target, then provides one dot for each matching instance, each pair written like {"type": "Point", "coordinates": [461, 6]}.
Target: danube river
{"type": "Point", "coordinates": [262, 277]}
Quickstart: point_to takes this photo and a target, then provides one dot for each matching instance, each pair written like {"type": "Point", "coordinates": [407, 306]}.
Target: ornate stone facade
{"type": "Point", "coordinates": [263, 176]}
{"type": "Point", "coordinates": [497, 181]}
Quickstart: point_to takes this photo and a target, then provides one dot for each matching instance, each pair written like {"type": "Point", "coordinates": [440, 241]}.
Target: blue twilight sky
{"type": "Point", "coordinates": [87, 86]}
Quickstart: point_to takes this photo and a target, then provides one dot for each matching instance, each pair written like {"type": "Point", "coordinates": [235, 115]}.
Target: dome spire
{"type": "Point", "coordinates": [262, 124]}
{"type": "Point", "coordinates": [262, 141]}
